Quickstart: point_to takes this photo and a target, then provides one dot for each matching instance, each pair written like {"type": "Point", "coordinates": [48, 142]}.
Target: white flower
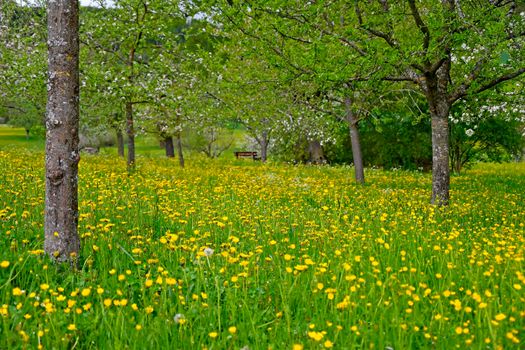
{"type": "Point", "coordinates": [179, 318]}
{"type": "Point", "coordinates": [208, 251]}
{"type": "Point", "coordinates": [469, 132]}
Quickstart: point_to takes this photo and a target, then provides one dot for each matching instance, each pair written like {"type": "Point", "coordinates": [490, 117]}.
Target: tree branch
{"type": "Point", "coordinates": [422, 27]}
{"type": "Point", "coordinates": [462, 91]}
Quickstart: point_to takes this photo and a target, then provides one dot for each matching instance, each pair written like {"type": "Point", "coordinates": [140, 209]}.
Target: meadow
{"type": "Point", "coordinates": [241, 255]}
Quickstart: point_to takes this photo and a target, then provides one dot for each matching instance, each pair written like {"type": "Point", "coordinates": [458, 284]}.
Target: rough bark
{"type": "Point", "coordinates": [356, 142]}
{"type": "Point", "coordinates": [455, 159]}
{"type": "Point", "coordinates": [62, 119]}
{"type": "Point", "coordinates": [130, 132]}
{"type": "Point", "coordinates": [264, 146]}
{"type": "Point", "coordinates": [120, 143]}
{"type": "Point", "coordinates": [168, 146]}
{"type": "Point", "coordinates": [316, 152]}
{"type": "Point", "coordinates": [440, 155]}
{"type": "Point", "coordinates": [179, 150]}
{"type": "Point", "coordinates": [435, 85]}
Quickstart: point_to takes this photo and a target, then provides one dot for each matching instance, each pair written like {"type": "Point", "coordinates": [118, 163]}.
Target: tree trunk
{"type": "Point", "coordinates": [316, 152]}
{"type": "Point", "coordinates": [120, 143]}
{"type": "Point", "coordinates": [27, 134]}
{"type": "Point", "coordinates": [457, 162]}
{"type": "Point", "coordinates": [168, 146]}
{"type": "Point", "coordinates": [62, 120]}
{"type": "Point", "coordinates": [356, 142]}
{"type": "Point", "coordinates": [179, 150]}
{"type": "Point", "coordinates": [131, 135]}
{"type": "Point", "coordinates": [440, 154]}
{"type": "Point", "coordinates": [264, 146]}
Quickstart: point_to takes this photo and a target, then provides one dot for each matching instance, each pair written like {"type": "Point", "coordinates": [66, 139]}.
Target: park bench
{"type": "Point", "coordinates": [246, 154]}
{"type": "Point", "coordinates": [90, 150]}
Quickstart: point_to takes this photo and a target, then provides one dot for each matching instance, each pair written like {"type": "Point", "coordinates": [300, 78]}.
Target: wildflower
{"type": "Point", "coordinates": [500, 317]}
{"type": "Point", "coordinates": [297, 347]}
{"type": "Point", "coordinates": [179, 319]}
{"type": "Point", "coordinates": [17, 291]}
{"type": "Point", "coordinates": [85, 292]}
{"type": "Point", "coordinates": [44, 286]}
{"type": "Point", "coordinates": [24, 336]}
{"type": "Point", "coordinates": [232, 329]}
{"type": "Point", "coordinates": [213, 335]}
{"type": "Point", "coordinates": [208, 251]}
{"type": "Point", "coordinates": [317, 336]}
{"type": "Point", "coordinates": [72, 327]}
{"type": "Point", "coordinates": [328, 344]}
{"type": "Point", "coordinates": [4, 264]}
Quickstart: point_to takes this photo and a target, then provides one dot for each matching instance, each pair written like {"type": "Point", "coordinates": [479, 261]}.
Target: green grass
{"type": "Point", "coordinates": [11, 137]}
{"type": "Point", "coordinates": [302, 257]}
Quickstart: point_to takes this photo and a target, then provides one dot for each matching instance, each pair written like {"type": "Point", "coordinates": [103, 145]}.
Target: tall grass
{"type": "Point", "coordinates": [222, 255]}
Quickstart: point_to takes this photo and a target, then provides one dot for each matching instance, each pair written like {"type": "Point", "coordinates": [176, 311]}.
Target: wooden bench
{"type": "Point", "coordinates": [246, 154]}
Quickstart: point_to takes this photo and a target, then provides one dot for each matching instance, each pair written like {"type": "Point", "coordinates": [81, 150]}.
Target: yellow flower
{"type": "Point", "coordinates": [138, 327]}
{"type": "Point", "coordinates": [232, 329]}
{"type": "Point", "coordinates": [500, 317]}
{"type": "Point", "coordinates": [297, 347]}
{"type": "Point", "coordinates": [108, 302]}
{"type": "Point", "coordinates": [459, 330]}
{"type": "Point", "coordinates": [100, 290]}
{"type": "Point", "coordinates": [17, 291]}
{"type": "Point", "coordinates": [72, 327]}
{"type": "Point", "coordinates": [149, 283]}
{"type": "Point", "coordinates": [4, 264]}
{"type": "Point", "coordinates": [24, 336]}
{"type": "Point", "coordinates": [85, 292]}
{"type": "Point", "coordinates": [44, 286]}
{"type": "Point", "coordinates": [317, 336]}
{"type": "Point", "coordinates": [328, 344]}
{"type": "Point", "coordinates": [213, 335]}
{"type": "Point", "coordinates": [149, 309]}
{"type": "Point", "coordinates": [517, 286]}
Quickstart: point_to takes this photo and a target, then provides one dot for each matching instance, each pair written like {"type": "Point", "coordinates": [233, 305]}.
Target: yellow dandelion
{"type": "Point", "coordinates": [213, 335]}
{"type": "Point", "coordinates": [500, 317]}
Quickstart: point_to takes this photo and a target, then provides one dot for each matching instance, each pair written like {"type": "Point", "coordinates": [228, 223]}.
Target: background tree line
{"type": "Point", "coordinates": [371, 83]}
